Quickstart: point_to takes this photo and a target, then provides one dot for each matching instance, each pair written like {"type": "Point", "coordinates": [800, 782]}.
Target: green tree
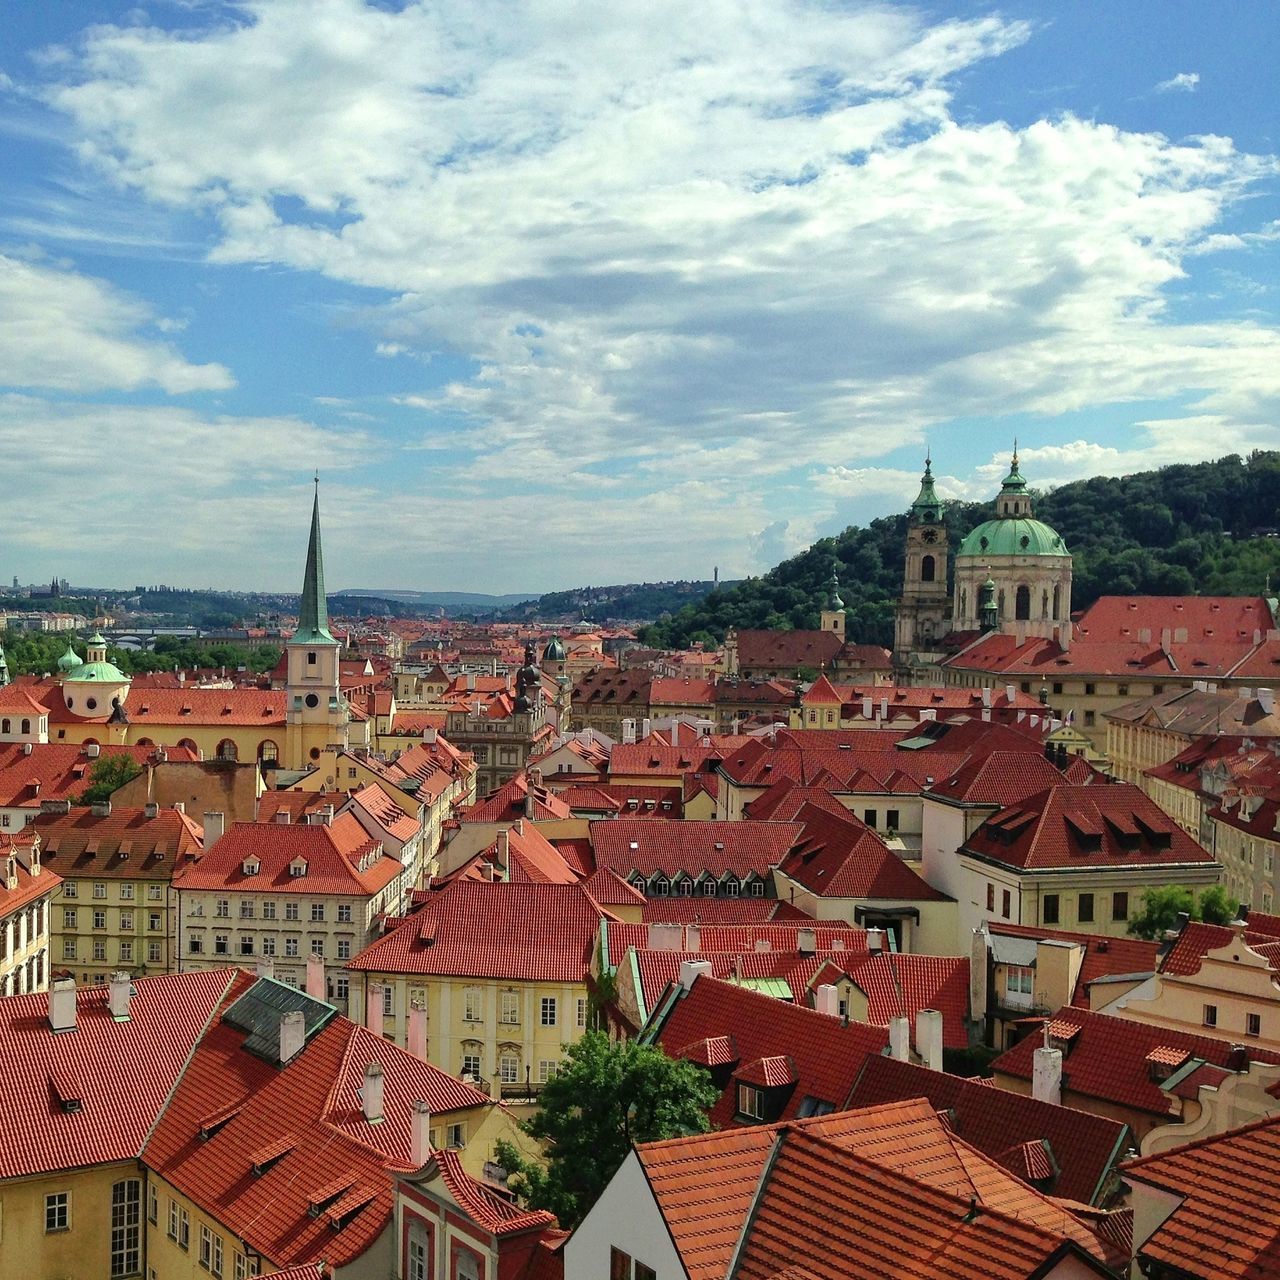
{"type": "Point", "coordinates": [606, 1096]}
{"type": "Point", "coordinates": [107, 775]}
{"type": "Point", "coordinates": [1161, 907]}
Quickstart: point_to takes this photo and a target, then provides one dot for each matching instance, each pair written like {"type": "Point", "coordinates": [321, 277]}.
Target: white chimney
{"type": "Point", "coordinates": [628, 731]}
{"type": "Point", "coordinates": [929, 1038]}
{"type": "Point", "coordinates": [826, 999]}
{"type": "Point", "coordinates": [986, 695]}
{"type": "Point", "coordinates": [1010, 693]}
{"type": "Point", "coordinates": [118, 996]}
{"type": "Point", "coordinates": [866, 706]}
{"type": "Point", "coordinates": [214, 825]}
{"type": "Point", "coordinates": [315, 977]}
{"type": "Point", "coordinates": [151, 809]}
{"type": "Point", "coordinates": [900, 1038]}
{"type": "Point", "coordinates": [62, 1004]}
{"type": "Point", "coordinates": [293, 1035]}
{"type": "Point", "coordinates": [806, 941]}
{"type": "Point", "coordinates": [371, 1093]}
{"type": "Point", "coordinates": [266, 967]}
{"type": "Point", "coordinates": [884, 708]}
{"type": "Point", "coordinates": [875, 941]}
{"type": "Point", "coordinates": [646, 727]}
{"type": "Point", "coordinates": [692, 970]}
{"type": "Point", "coordinates": [373, 1014]}
{"type": "Point", "coordinates": [420, 1135]}
{"type": "Point", "coordinates": [418, 1029]}
{"type": "Point", "coordinates": [92, 750]}
{"type": "Point", "coordinates": [665, 937]}
{"type": "Point", "coordinates": [530, 801]}
{"type": "Point", "coordinates": [1046, 1075]}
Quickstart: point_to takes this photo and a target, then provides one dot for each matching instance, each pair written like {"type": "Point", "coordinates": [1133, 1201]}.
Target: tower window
{"type": "Point", "coordinates": [1022, 604]}
{"type": "Point", "coordinates": [311, 658]}
{"type": "Point", "coordinates": [312, 700]}
{"type": "Point", "coordinates": [927, 569]}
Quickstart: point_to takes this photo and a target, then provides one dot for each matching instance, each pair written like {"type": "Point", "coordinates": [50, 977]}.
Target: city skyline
{"type": "Point", "coordinates": [683, 298]}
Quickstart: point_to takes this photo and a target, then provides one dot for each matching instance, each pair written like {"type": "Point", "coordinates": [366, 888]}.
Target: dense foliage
{"type": "Point", "coordinates": [606, 1095]}
{"type": "Point", "coordinates": [634, 600]}
{"type": "Point", "coordinates": [1206, 529]}
{"type": "Point", "coordinates": [107, 774]}
{"type": "Point", "coordinates": [1161, 907]}
{"type": "Point", "coordinates": [37, 652]}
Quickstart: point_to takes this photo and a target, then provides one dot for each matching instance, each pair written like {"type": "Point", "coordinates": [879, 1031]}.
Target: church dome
{"type": "Point", "coordinates": [96, 673]}
{"type": "Point", "coordinates": [554, 652]}
{"type": "Point", "coordinates": [1013, 536]}
{"type": "Point", "coordinates": [69, 660]}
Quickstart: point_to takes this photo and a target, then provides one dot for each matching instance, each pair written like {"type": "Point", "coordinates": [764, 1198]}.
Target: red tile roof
{"type": "Point", "coordinates": [509, 803]}
{"type": "Point", "coordinates": [1197, 939]}
{"type": "Point", "coordinates": [701, 910]}
{"type": "Point", "coordinates": [1000, 778]}
{"type": "Point", "coordinates": [209, 707]}
{"type": "Point", "coordinates": [1227, 1221]}
{"type": "Point", "coordinates": [120, 1072]}
{"type": "Point", "coordinates": [779, 650]}
{"type": "Point", "coordinates": [124, 844]}
{"type": "Point", "coordinates": [740, 939]}
{"type": "Point", "coordinates": [29, 887]}
{"type": "Point", "coordinates": [532, 933]}
{"type": "Point", "coordinates": [1106, 1059]}
{"type": "Point", "coordinates": [714, 1019]}
{"type": "Point", "coordinates": [1103, 957]}
{"type": "Point", "coordinates": [1085, 1148]}
{"type": "Point", "coordinates": [60, 771]}
{"type": "Point", "coordinates": [1092, 826]}
{"type": "Point", "coordinates": [629, 844]}
{"type": "Point", "coordinates": [531, 857]}
{"type": "Point", "coordinates": [340, 856]}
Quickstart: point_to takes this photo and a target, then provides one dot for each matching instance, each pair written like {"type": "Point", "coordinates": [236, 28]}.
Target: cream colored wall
{"type": "Point", "coordinates": [166, 1256]}
{"type": "Point", "coordinates": [205, 737]}
{"type": "Point", "coordinates": [24, 939]}
{"type": "Point", "coordinates": [136, 956]}
{"type": "Point", "coordinates": [1250, 863]}
{"type": "Point", "coordinates": [27, 1252]}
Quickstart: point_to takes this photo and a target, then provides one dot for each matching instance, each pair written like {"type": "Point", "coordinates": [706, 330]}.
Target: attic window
{"type": "Point", "coordinates": [66, 1091]}
{"type": "Point", "coordinates": [322, 1197]}
{"type": "Point", "coordinates": [349, 1205]}
{"type": "Point", "coordinates": [215, 1120]}
{"type": "Point", "coordinates": [268, 1157]}
{"type": "Point", "coordinates": [251, 866]}
{"type": "Point", "coordinates": [298, 867]}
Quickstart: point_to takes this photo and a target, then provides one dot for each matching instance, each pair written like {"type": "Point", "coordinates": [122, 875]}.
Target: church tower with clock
{"type": "Point", "coordinates": [922, 617]}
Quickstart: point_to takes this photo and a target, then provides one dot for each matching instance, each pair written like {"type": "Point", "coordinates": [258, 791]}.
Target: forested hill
{"type": "Point", "coordinates": [1207, 529]}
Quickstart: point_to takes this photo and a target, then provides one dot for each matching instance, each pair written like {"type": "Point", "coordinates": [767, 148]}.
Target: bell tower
{"type": "Point", "coordinates": [921, 618]}
{"type": "Point", "coordinates": [315, 711]}
{"type": "Point", "coordinates": [833, 616]}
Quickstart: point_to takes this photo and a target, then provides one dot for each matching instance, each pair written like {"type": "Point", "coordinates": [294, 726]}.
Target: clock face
{"type": "Point", "coordinates": [930, 535]}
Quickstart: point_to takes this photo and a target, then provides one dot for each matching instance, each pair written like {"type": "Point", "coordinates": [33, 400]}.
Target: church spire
{"type": "Point", "coordinates": [313, 612]}
{"type": "Point", "coordinates": [926, 509]}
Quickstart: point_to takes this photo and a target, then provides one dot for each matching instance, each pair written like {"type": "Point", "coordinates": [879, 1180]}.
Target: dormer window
{"type": "Point", "coordinates": [298, 867]}
{"type": "Point", "coordinates": [251, 866]}
{"type": "Point", "coordinates": [750, 1102]}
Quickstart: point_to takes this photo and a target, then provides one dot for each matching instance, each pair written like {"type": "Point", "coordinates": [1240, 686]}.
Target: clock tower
{"type": "Point", "coordinates": [922, 617]}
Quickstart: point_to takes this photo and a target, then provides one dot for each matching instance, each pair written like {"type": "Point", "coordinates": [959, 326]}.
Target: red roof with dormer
{"type": "Point", "coordinates": [117, 842]}
{"type": "Point", "coordinates": [61, 770]}
{"type": "Point", "coordinates": [628, 845]}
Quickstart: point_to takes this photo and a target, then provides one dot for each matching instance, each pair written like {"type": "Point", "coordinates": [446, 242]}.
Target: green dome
{"type": "Point", "coordinates": [1013, 536]}
{"type": "Point", "coordinates": [97, 673]}
{"type": "Point", "coordinates": [554, 652]}
{"type": "Point", "coordinates": [70, 660]}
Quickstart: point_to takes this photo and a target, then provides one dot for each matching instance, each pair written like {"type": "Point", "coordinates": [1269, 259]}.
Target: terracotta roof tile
{"type": "Point", "coordinates": [628, 844]}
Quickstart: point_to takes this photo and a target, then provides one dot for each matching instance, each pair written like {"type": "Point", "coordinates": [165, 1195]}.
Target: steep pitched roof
{"type": "Point", "coordinates": [1085, 1148]}
{"type": "Point", "coordinates": [1107, 1058]}
{"type": "Point", "coordinates": [999, 778]}
{"type": "Point", "coordinates": [776, 650]}
{"type": "Point", "coordinates": [122, 844]}
{"type": "Point", "coordinates": [629, 844]}
{"type": "Point", "coordinates": [1227, 1224]}
{"type": "Point", "coordinates": [532, 933]}
{"type": "Point", "coordinates": [60, 770]}
{"type": "Point", "coordinates": [1197, 939]}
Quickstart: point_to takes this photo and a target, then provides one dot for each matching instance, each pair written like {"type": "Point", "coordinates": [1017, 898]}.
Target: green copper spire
{"type": "Point", "coordinates": [1014, 481]}
{"type": "Point", "coordinates": [834, 602]}
{"type": "Point", "coordinates": [313, 612]}
{"type": "Point", "coordinates": [926, 509]}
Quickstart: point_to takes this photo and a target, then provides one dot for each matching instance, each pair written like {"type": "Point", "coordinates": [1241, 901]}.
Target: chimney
{"type": "Point", "coordinates": [118, 996]}
{"type": "Point", "coordinates": [214, 825]}
{"type": "Point", "coordinates": [282, 817]}
{"type": "Point", "coordinates": [900, 1038]}
{"type": "Point", "coordinates": [530, 801]}
{"type": "Point", "coordinates": [693, 937]}
{"type": "Point", "coordinates": [293, 1035]}
{"type": "Point", "coordinates": [92, 750]}
{"type": "Point", "coordinates": [373, 1011]}
{"type": "Point", "coordinates": [418, 1030]}
{"type": "Point", "coordinates": [826, 999]}
{"type": "Point", "coordinates": [151, 809]}
{"type": "Point", "coordinates": [55, 806]}
{"type": "Point", "coordinates": [420, 1135]}
{"type": "Point", "coordinates": [875, 941]}
{"type": "Point", "coordinates": [371, 1093]}
{"type": "Point", "coordinates": [628, 732]}
{"type": "Point", "coordinates": [1046, 1075]}
{"type": "Point", "coordinates": [664, 937]}
{"type": "Point", "coordinates": [646, 727]}
{"type": "Point", "coordinates": [691, 970]}
{"type": "Point", "coordinates": [26, 748]}
{"type": "Point", "coordinates": [1010, 693]}
{"type": "Point", "coordinates": [1238, 1058]}
{"type": "Point", "coordinates": [806, 941]}
{"type": "Point", "coordinates": [929, 1038]}
{"type": "Point", "coordinates": [315, 977]}
{"type": "Point", "coordinates": [100, 808]}
{"type": "Point", "coordinates": [265, 967]}
{"type": "Point", "coordinates": [986, 695]}
{"type": "Point", "coordinates": [884, 708]}
{"type": "Point", "coordinates": [866, 706]}
{"type": "Point", "coordinates": [62, 1004]}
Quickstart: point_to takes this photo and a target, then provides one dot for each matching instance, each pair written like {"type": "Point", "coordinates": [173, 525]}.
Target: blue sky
{"type": "Point", "coordinates": [556, 294]}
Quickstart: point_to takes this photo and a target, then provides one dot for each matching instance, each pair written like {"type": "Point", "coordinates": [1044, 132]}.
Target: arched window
{"type": "Point", "coordinates": [1057, 602]}
{"type": "Point", "coordinates": [6, 726]}
{"type": "Point", "coordinates": [189, 745]}
{"type": "Point", "coordinates": [145, 742]}
{"type": "Point", "coordinates": [928, 568]}
{"type": "Point", "coordinates": [227, 750]}
{"type": "Point", "coordinates": [1022, 604]}
{"type": "Point", "coordinates": [964, 604]}
{"type": "Point", "coordinates": [268, 752]}
{"type": "Point", "coordinates": [1044, 604]}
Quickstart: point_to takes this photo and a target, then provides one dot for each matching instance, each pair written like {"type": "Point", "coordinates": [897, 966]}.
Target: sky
{"type": "Point", "coordinates": [557, 294]}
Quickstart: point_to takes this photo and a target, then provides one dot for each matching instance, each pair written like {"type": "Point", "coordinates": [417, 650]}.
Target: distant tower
{"type": "Point", "coordinates": [833, 617]}
{"type": "Point", "coordinates": [315, 712]}
{"type": "Point", "coordinates": [921, 618]}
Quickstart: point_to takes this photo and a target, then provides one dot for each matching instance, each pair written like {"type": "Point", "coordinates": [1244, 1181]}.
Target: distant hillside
{"type": "Point", "coordinates": [631, 602]}
{"type": "Point", "coordinates": [1207, 529]}
{"type": "Point", "coordinates": [470, 601]}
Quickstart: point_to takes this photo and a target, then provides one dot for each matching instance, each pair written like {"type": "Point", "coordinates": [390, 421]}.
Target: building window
{"type": "Point", "coordinates": [246, 944]}
{"type": "Point", "coordinates": [154, 952]}
{"type": "Point", "coordinates": [126, 921]}
{"type": "Point", "coordinates": [1057, 686]}
{"type": "Point", "coordinates": [173, 1219]}
{"type": "Point", "coordinates": [99, 890]}
{"type": "Point", "coordinates": [991, 897]}
{"type": "Point", "coordinates": [508, 1068]}
{"type": "Point", "coordinates": [227, 750]}
{"type": "Point", "coordinates": [291, 946]}
{"type": "Point", "coordinates": [1122, 690]}
{"type": "Point", "coordinates": [206, 1247]}
{"type": "Point", "coordinates": [246, 909]}
{"type": "Point", "coordinates": [1084, 908]}
{"type": "Point", "coordinates": [471, 1065]}
{"type": "Point", "coordinates": [268, 945]}
{"type": "Point", "coordinates": [184, 1230]}
{"type": "Point", "coordinates": [1253, 1024]}
{"type": "Point", "coordinates": [217, 1255]}
{"type": "Point", "coordinates": [388, 1001]}
{"type": "Point", "coordinates": [317, 946]}
{"type": "Point", "coordinates": [1211, 1015]}
{"type": "Point", "coordinates": [341, 987]}
{"type": "Point", "coordinates": [68, 948]}
{"type": "Point", "coordinates": [221, 944]}
{"type": "Point", "coordinates": [750, 1102]}
{"type": "Point", "coordinates": [69, 889]}
{"type": "Point", "coordinates": [1019, 980]}
{"type": "Point", "coordinates": [99, 949]}
{"type": "Point", "coordinates": [344, 948]}
{"type": "Point", "coordinates": [126, 1227]}
{"type": "Point", "coordinates": [126, 952]}
{"type": "Point", "coordinates": [195, 944]}
{"type": "Point", "coordinates": [1050, 908]}
{"type": "Point", "coordinates": [581, 1012]}
{"type": "Point", "coordinates": [510, 1012]}
{"type": "Point", "coordinates": [344, 913]}
{"type": "Point", "coordinates": [268, 910]}
{"type": "Point", "coordinates": [153, 1204]}
{"type": "Point", "coordinates": [1120, 905]}
{"type": "Point", "coordinates": [317, 913]}
{"type": "Point", "coordinates": [68, 917]}
{"type": "Point", "coordinates": [471, 1005]}
{"type": "Point", "coordinates": [547, 1067]}
{"type": "Point", "coordinates": [1090, 719]}
{"type": "Point", "coordinates": [619, 1265]}
{"type": "Point", "coordinates": [57, 1211]}
{"type": "Point", "coordinates": [869, 817]}
{"type": "Point", "coordinates": [548, 1016]}
{"type": "Point", "coordinates": [1006, 903]}
{"type": "Point", "coordinates": [223, 909]}
{"type": "Point", "coordinates": [892, 819]}
{"type": "Point", "coordinates": [126, 893]}
{"type": "Point", "coordinates": [291, 911]}
{"type": "Point", "coordinates": [99, 919]}
{"type": "Point", "coordinates": [155, 892]}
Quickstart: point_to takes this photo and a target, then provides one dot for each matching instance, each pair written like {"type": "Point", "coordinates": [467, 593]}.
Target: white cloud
{"type": "Point", "coordinates": [1183, 82]}
{"type": "Point", "coordinates": [733, 247]}
{"type": "Point", "coordinates": [63, 331]}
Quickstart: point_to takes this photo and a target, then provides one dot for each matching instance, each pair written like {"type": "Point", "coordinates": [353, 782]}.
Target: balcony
{"type": "Point", "coordinates": [523, 1091]}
